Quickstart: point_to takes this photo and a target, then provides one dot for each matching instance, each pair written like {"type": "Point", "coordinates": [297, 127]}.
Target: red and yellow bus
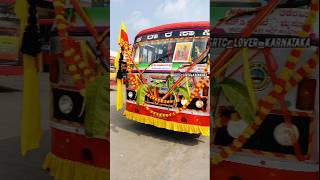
{"type": "Point", "coordinates": [167, 80]}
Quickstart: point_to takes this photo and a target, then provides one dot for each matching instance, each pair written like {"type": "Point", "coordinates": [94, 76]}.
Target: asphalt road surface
{"type": "Point", "coordinates": [13, 166]}
{"type": "Point", "coordinates": [140, 151]}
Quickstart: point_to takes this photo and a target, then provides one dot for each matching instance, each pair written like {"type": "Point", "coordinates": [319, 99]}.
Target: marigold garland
{"type": "Point", "coordinates": [80, 69]}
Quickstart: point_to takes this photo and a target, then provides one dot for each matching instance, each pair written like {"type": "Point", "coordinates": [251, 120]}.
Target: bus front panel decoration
{"type": "Point", "coordinates": [265, 100]}
{"type": "Point", "coordinates": [167, 77]}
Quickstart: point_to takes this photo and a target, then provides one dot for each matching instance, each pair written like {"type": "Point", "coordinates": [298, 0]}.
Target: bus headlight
{"type": "Point", "coordinates": [130, 94]}
{"type": "Point", "coordinates": [235, 128]}
{"type": "Point", "coordinates": [184, 101]}
{"type": "Point", "coordinates": [65, 104]}
{"type": "Point", "coordinates": [199, 103]}
{"type": "Point", "coordinates": [286, 135]}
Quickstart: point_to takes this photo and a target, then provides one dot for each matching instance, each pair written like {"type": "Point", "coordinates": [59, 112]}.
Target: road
{"type": "Point", "coordinates": [140, 151]}
{"type": "Point", "coordinates": [11, 104]}
{"type": "Point", "coordinates": [12, 165]}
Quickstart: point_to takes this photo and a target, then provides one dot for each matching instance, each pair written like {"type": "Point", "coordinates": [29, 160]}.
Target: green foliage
{"type": "Point", "coordinates": [184, 92]}
{"type": "Point", "coordinates": [141, 93]}
{"type": "Point", "coordinates": [97, 106]}
{"type": "Point", "coordinates": [158, 84]}
{"type": "Point", "coordinates": [238, 96]}
{"type": "Point", "coordinates": [170, 81]}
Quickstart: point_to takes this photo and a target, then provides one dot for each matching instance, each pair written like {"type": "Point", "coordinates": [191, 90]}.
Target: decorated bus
{"type": "Point", "coordinates": [265, 100]}
{"type": "Point", "coordinates": [167, 83]}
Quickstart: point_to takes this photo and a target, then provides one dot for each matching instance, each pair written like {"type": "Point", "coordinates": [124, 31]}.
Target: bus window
{"type": "Point", "coordinates": [184, 50]}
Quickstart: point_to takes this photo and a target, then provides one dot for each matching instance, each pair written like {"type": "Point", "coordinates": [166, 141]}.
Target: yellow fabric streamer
{"type": "Point", "coordinates": [122, 36]}
{"type": "Point", "coordinates": [180, 127]}
{"type": "Point", "coordinates": [21, 10]}
{"type": "Point", "coordinates": [119, 95]}
{"type": "Point", "coordinates": [123, 29]}
{"type": "Point", "coordinates": [63, 169]}
{"type": "Point", "coordinates": [116, 61]}
{"type": "Point", "coordinates": [31, 131]}
{"type": "Point", "coordinates": [119, 98]}
{"type": "Point", "coordinates": [247, 78]}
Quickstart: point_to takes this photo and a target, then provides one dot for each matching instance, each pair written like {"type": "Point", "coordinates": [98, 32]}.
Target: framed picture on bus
{"type": "Point", "coordinates": [182, 52]}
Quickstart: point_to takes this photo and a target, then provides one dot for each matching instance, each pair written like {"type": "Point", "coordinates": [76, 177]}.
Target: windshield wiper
{"type": "Point", "coordinates": [294, 3]}
{"type": "Point", "coordinates": [156, 60]}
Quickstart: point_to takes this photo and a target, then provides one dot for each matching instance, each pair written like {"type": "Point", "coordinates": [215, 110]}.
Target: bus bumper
{"type": "Point", "coordinates": [182, 122]}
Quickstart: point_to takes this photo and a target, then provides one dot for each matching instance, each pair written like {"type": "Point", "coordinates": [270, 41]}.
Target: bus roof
{"type": "Point", "coordinates": [174, 26]}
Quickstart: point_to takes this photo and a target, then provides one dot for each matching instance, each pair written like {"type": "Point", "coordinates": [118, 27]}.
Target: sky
{"type": "Point", "coordinates": [140, 14]}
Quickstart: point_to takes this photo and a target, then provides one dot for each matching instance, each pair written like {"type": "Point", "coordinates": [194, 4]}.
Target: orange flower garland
{"type": "Point", "coordinates": [80, 70]}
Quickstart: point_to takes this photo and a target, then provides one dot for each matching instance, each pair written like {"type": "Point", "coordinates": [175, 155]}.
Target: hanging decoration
{"type": "Point", "coordinates": [119, 61]}
{"type": "Point", "coordinates": [30, 124]}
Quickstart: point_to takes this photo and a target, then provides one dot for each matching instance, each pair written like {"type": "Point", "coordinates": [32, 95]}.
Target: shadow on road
{"type": "Point", "coordinates": [119, 121]}
{"type": "Point", "coordinates": [4, 89]}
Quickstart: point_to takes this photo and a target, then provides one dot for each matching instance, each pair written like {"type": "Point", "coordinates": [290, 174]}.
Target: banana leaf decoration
{"type": "Point", "coordinates": [97, 104]}
{"type": "Point", "coordinates": [170, 82]}
{"type": "Point", "coordinates": [182, 90]}
{"type": "Point", "coordinates": [238, 96]}
{"type": "Point", "coordinates": [142, 90]}
{"type": "Point", "coordinates": [141, 93]}
{"type": "Point", "coordinates": [158, 84]}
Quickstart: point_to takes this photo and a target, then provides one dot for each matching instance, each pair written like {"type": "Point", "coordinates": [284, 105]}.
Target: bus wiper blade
{"type": "Point", "coordinates": [156, 60]}
{"type": "Point", "coordinates": [294, 3]}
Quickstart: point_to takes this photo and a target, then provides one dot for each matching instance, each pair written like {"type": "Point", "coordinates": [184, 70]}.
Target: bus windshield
{"type": "Point", "coordinates": [181, 50]}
